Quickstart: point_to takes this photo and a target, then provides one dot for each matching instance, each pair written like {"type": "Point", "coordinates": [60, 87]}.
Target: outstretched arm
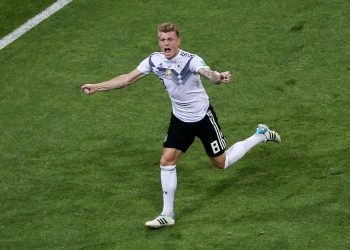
{"type": "Point", "coordinates": [118, 82]}
{"type": "Point", "coordinates": [214, 76]}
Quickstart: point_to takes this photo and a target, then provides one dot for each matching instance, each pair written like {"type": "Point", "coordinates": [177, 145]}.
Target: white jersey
{"type": "Point", "coordinates": [188, 97]}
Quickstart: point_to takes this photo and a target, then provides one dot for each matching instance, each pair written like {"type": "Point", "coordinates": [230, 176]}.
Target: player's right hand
{"type": "Point", "coordinates": [88, 89]}
{"type": "Point", "coordinates": [225, 77]}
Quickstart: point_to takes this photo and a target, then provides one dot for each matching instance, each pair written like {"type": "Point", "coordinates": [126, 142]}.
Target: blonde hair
{"type": "Point", "coordinates": [168, 27]}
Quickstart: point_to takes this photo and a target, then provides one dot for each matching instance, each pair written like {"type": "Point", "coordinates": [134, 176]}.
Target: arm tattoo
{"type": "Point", "coordinates": [211, 75]}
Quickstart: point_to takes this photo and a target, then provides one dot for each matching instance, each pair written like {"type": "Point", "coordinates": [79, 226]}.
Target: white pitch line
{"type": "Point", "coordinates": [31, 23]}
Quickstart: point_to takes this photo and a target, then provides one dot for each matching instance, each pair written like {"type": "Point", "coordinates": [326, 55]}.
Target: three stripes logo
{"type": "Point", "coordinates": [162, 221]}
{"type": "Point", "coordinates": [220, 143]}
{"type": "Point", "coordinates": [272, 135]}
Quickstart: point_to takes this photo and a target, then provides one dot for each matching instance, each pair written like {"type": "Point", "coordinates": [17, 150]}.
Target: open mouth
{"type": "Point", "coordinates": [167, 50]}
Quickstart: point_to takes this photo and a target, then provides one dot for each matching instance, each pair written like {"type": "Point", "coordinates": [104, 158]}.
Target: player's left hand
{"type": "Point", "coordinates": [225, 77]}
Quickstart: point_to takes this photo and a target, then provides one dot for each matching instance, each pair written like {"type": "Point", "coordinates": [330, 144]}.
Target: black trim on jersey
{"type": "Point", "coordinates": [150, 61]}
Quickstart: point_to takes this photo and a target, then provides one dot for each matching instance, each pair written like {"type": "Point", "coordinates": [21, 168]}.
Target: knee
{"type": "Point", "coordinates": [169, 156]}
{"type": "Point", "coordinates": [219, 162]}
{"type": "Point", "coordinates": [165, 160]}
{"type": "Point", "coordinates": [219, 165]}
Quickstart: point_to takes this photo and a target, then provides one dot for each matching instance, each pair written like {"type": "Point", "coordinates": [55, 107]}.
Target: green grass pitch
{"type": "Point", "coordinates": [82, 172]}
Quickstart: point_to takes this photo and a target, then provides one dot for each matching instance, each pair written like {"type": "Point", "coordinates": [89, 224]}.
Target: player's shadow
{"type": "Point", "coordinates": [208, 194]}
{"type": "Point", "coordinates": [228, 189]}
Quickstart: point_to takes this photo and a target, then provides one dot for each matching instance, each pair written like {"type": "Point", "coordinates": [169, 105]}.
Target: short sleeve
{"type": "Point", "coordinates": [144, 67]}
{"type": "Point", "coordinates": [198, 63]}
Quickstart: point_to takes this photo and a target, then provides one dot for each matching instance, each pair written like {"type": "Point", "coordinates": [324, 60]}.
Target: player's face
{"type": "Point", "coordinates": [169, 43]}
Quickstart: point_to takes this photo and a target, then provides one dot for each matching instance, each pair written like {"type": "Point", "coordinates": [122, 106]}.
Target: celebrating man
{"type": "Point", "coordinates": [192, 114]}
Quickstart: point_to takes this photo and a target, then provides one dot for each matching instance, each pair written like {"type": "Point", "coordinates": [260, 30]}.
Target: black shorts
{"type": "Point", "coordinates": [182, 134]}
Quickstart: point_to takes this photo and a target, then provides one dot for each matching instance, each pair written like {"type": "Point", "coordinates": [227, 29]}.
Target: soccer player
{"type": "Point", "coordinates": [192, 114]}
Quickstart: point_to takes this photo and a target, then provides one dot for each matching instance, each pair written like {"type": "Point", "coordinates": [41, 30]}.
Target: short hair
{"type": "Point", "coordinates": [168, 27]}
